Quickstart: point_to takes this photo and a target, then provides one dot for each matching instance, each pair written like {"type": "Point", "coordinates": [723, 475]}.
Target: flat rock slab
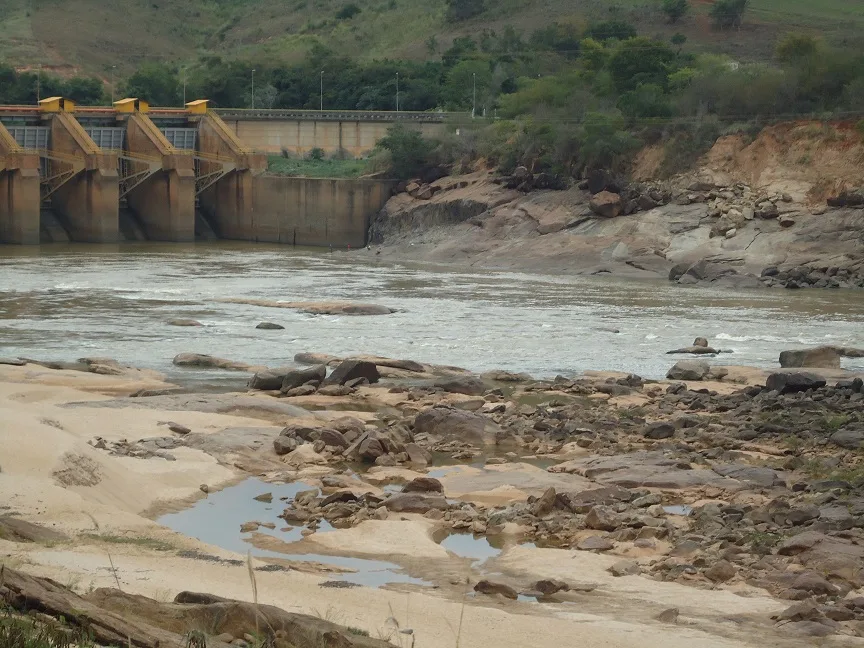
{"type": "Point", "coordinates": [238, 404]}
{"type": "Point", "coordinates": [315, 308]}
{"type": "Point", "coordinates": [645, 469]}
{"type": "Point", "coordinates": [15, 362]}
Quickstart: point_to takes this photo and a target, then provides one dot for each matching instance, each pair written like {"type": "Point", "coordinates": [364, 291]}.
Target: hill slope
{"type": "Point", "coordinates": [91, 36]}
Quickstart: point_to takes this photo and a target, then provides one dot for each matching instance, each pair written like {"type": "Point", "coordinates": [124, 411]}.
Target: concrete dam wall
{"type": "Point", "coordinates": [296, 211]}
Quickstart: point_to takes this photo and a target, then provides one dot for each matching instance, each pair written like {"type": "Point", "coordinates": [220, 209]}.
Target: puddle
{"type": "Point", "coordinates": [678, 509]}
{"type": "Point", "coordinates": [216, 520]}
{"type": "Point", "coordinates": [467, 545]}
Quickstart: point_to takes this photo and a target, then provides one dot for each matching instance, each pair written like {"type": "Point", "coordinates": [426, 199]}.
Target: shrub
{"type": "Point", "coordinates": [675, 9]}
{"type": "Point", "coordinates": [348, 11]}
{"type": "Point", "coordinates": [726, 14]}
{"type": "Point", "coordinates": [316, 154]}
{"type": "Point", "coordinates": [408, 151]}
{"type": "Point", "coordinates": [459, 10]}
{"type": "Point", "coordinates": [611, 29]}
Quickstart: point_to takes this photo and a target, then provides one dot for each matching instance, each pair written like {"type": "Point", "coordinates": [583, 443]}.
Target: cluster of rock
{"type": "Point", "coordinates": [822, 276]}
{"type": "Point", "coordinates": [734, 206]}
{"type": "Point", "coordinates": [343, 380]}
{"type": "Point", "coordinates": [612, 197]}
{"type": "Point", "coordinates": [853, 198]}
{"type": "Point", "coordinates": [344, 508]}
{"type": "Point", "coordinates": [523, 180]}
{"type": "Point", "coordinates": [349, 439]}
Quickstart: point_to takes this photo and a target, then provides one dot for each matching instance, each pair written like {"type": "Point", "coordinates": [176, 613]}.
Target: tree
{"type": "Point", "coordinates": [348, 11]}
{"type": "Point", "coordinates": [675, 10]}
{"type": "Point", "coordinates": [726, 14]}
{"type": "Point", "coordinates": [461, 82]}
{"type": "Point", "coordinates": [459, 10]}
{"type": "Point", "coordinates": [409, 151]}
{"type": "Point", "coordinates": [641, 60]}
{"type": "Point", "coordinates": [794, 48]}
{"type": "Point", "coordinates": [87, 91]}
{"type": "Point", "coordinates": [156, 82]}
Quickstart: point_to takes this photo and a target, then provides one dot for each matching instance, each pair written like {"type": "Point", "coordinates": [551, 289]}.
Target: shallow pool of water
{"type": "Point", "coordinates": [216, 520]}
{"type": "Point", "coordinates": [468, 545]}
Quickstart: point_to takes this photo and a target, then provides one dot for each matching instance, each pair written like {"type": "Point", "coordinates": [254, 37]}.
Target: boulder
{"type": "Point", "coordinates": [823, 357]}
{"type": "Point", "coordinates": [659, 430]}
{"type": "Point", "coordinates": [423, 485]}
{"type": "Point", "coordinates": [700, 342]}
{"type": "Point", "coordinates": [545, 503]}
{"type": "Point", "coordinates": [299, 377]}
{"type": "Point", "coordinates": [689, 370]}
{"type": "Point", "coordinates": [548, 587]}
{"type": "Point", "coordinates": [491, 589]}
{"type": "Point", "coordinates": [370, 449]}
{"type": "Point", "coordinates": [207, 361]}
{"type": "Point", "coordinates": [350, 370]}
{"type": "Point", "coordinates": [270, 326]}
{"type": "Point", "coordinates": [721, 571]}
{"type": "Point", "coordinates": [468, 385]}
{"type": "Point", "coordinates": [787, 383]}
{"type": "Point", "coordinates": [184, 322]}
{"type": "Point", "coordinates": [310, 358]}
{"type": "Point", "coordinates": [849, 439]}
{"type": "Point", "coordinates": [625, 568]}
{"type": "Point", "coordinates": [456, 425]}
{"type": "Point", "coordinates": [415, 503]}
{"type": "Point", "coordinates": [602, 518]}
{"type": "Point", "coordinates": [283, 445]}
{"type": "Point", "coordinates": [267, 380]}
{"type": "Point", "coordinates": [606, 204]}
{"type": "Point", "coordinates": [302, 390]}
{"type": "Point", "coordinates": [333, 438]}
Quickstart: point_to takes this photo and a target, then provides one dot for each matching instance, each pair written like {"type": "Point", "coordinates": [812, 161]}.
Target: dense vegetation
{"type": "Point", "coordinates": [565, 95]}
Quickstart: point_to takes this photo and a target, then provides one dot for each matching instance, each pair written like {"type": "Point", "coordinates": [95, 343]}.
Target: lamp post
{"type": "Point", "coordinates": [38, 83]}
{"type": "Point", "coordinates": [474, 95]}
{"type": "Point", "coordinates": [113, 70]}
{"type": "Point", "coordinates": [184, 85]}
{"type": "Point", "coordinates": [321, 95]}
{"type": "Point", "coordinates": [253, 89]}
{"type": "Point", "coordinates": [397, 92]}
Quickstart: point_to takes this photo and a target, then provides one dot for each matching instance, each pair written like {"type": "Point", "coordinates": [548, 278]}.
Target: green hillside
{"type": "Point", "coordinates": [90, 36]}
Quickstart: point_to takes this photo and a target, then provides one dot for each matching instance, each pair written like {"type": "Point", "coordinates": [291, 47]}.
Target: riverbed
{"type": "Point", "coordinates": [64, 302]}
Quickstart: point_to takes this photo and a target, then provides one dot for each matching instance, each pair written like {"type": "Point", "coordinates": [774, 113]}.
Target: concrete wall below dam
{"type": "Point", "coordinates": [301, 211]}
{"type": "Point", "coordinates": [298, 137]}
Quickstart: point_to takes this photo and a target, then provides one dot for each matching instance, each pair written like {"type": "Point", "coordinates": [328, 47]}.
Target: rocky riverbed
{"type": "Point", "coordinates": [668, 505]}
{"type": "Point", "coordinates": [706, 227]}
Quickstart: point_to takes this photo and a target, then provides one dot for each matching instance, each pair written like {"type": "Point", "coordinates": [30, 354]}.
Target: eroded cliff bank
{"type": "Point", "coordinates": [752, 214]}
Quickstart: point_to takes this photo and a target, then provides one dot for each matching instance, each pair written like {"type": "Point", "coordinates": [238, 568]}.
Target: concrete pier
{"type": "Point", "coordinates": [89, 203]}
{"type": "Point", "coordinates": [19, 193]}
{"type": "Point", "coordinates": [165, 201]}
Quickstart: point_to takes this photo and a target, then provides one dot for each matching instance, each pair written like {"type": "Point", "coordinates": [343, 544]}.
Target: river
{"type": "Point", "coordinates": [65, 302]}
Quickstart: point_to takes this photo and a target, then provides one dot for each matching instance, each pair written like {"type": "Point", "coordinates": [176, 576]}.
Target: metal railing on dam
{"type": "Point", "coordinates": [338, 115]}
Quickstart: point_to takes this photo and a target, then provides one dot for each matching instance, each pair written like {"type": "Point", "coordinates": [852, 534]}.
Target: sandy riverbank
{"type": "Point", "coordinates": [52, 475]}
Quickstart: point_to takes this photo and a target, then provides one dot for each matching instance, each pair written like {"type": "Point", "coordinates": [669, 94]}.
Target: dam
{"type": "Point", "coordinates": [135, 172]}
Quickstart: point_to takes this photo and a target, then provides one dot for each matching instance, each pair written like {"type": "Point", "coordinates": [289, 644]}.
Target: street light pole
{"type": "Point", "coordinates": [321, 96]}
{"type": "Point", "coordinates": [474, 95]}
{"type": "Point", "coordinates": [38, 83]}
{"type": "Point", "coordinates": [113, 69]}
{"type": "Point", "coordinates": [253, 89]}
{"type": "Point", "coordinates": [397, 92]}
{"type": "Point", "coordinates": [184, 85]}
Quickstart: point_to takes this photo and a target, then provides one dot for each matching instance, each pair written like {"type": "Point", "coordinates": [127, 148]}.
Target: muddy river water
{"type": "Point", "coordinates": [66, 302]}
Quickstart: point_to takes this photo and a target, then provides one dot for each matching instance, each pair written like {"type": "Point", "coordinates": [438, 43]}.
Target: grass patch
{"type": "Point", "coordinates": [360, 632]}
{"type": "Point", "coordinates": [17, 631]}
{"type": "Point", "coordinates": [312, 168]}
{"type": "Point", "coordinates": [138, 541]}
